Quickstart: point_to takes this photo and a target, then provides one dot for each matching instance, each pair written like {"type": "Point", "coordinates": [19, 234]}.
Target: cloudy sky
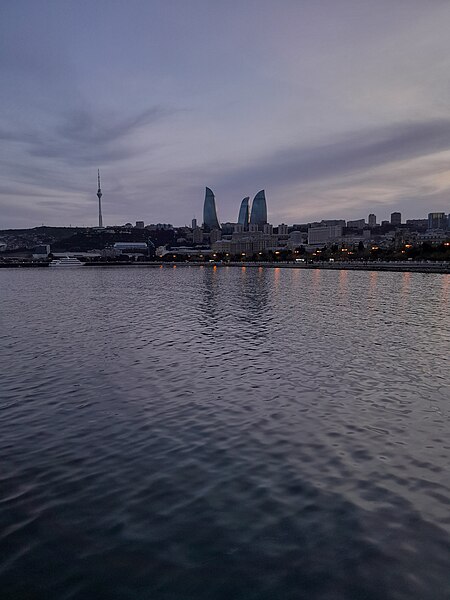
{"type": "Point", "coordinates": [337, 108]}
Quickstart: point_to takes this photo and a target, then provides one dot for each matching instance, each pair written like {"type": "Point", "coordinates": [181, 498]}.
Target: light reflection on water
{"type": "Point", "coordinates": [224, 433]}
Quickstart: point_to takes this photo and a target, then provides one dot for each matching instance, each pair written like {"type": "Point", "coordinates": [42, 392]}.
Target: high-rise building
{"type": "Point", "coordinates": [244, 213]}
{"type": "Point", "coordinates": [259, 209]}
{"type": "Point", "coordinates": [372, 220]}
{"type": "Point", "coordinates": [210, 220]}
{"type": "Point", "coordinates": [396, 218]}
{"type": "Point", "coordinates": [194, 223]}
{"type": "Point", "coordinates": [99, 196]}
{"type": "Point", "coordinates": [437, 220]}
{"type": "Point", "coordinates": [197, 235]}
{"type": "Point", "coordinates": [139, 224]}
{"type": "Point", "coordinates": [283, 229]}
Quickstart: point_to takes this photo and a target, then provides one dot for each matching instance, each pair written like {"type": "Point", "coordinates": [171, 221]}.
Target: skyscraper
{"type": "Point", "coordinates": [372, 220]}
{"type": "Point", "coordinates": [396, 218]}
{"type": "Point", "coordinates": [259, 209]}
{"type": "Point", "coordinates": [210, 220]}
{"type": "Point", "coordinates": [244, 213]}
{"type": "Point", "coordinates": [99, 196]}
{"type": "Point", "coordinates": [437, 220]}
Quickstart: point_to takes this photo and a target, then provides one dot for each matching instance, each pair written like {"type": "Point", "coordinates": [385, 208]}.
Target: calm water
{"type": "Point", "coordinates": [199, 433]}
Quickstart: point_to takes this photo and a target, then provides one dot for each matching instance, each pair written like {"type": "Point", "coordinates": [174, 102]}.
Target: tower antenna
{"type": "Point", "coordinates": [99, 196]}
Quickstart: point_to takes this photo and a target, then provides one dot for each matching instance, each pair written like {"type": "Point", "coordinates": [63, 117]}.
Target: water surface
{"type": "Point", "coordinates": [199, 433]}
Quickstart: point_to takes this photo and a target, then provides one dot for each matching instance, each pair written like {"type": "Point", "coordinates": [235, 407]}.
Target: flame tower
{"type": "Point", "coordinates": [210, 220]}
{"type": "Point", "coordinates": [99, 196]}
{"type": "Point", "coordinates": [258, 215]}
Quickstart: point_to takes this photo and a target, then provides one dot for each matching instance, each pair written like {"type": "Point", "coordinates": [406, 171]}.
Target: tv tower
{"type": "Point", "coordinates": [99, 196]}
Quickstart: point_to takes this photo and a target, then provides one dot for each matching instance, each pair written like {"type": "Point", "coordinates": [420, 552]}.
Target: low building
{"type": "Point", "coordinates": [197, 235]}
{"type": "Point", "coordinates": [41, 252]}
{"type": "Point", "coordinates": [417, 223]}
{"type": "Point", "coordinates": [134, 247]}
{"type": "Point", "coordinates": [433, 237]}
{"type": "Point", "coordinates": [248, 242]}
{"type": "Point", "coordinates": [332, 222]}
{"type": "Point", "coordinates": [358, 224]}
{"type": "Point", "coordinates": [296, 239]}
{"type": "Point", "coordinates": [324, 235]}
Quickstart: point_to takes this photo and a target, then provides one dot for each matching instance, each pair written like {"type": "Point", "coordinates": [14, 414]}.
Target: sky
{"type": "Point", "coordinates": [337, 108]}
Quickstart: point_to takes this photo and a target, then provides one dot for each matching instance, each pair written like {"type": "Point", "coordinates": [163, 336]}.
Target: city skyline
{"type": "Point", "coordinates": [335, 109]}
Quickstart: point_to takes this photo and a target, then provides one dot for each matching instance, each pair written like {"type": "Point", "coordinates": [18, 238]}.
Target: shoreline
{"type": "Point", "coordinates": [400, 267]}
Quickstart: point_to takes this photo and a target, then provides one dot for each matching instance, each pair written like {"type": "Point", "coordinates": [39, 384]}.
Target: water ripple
{"type": "Point", "coordinates": [197, 433]}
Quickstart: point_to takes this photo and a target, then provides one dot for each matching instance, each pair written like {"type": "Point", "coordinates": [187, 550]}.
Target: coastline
{"type": "Point", "coordinates": [401, 267]}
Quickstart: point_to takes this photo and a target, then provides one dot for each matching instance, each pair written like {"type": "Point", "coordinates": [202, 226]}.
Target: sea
{"type": "Point", "coordinates": [224, 433]}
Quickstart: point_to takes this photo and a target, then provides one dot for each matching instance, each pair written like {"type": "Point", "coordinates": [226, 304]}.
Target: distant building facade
{"type": "Point", "coordinates": [417, 223]}
{"type": "Point", "coordinates": [324, 235]}
{"type": "Point", "coordinates": [437, 220]}
{"type": "Point", "coordinates": [396, 218]}
{"type": "Point", "coordinates": [358, 224]}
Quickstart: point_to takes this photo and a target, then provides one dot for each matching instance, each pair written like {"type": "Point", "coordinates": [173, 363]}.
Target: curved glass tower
{"type": "Point", "coordinates": [244, 213]}
{"type": "Point", "coordinates": [259, 209]}
{"type": "Point", "coordinates": [210, 220]}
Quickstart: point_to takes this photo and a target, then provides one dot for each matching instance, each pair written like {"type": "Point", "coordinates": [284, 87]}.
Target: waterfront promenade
{"type": "Point", "coordinates": [393, 266]}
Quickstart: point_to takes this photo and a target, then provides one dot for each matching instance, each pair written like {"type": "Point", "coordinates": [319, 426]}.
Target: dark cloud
{"type": "Point", "coordinates": [84, 138]}
{"type": "Point", "coordinates": [87, 128]}
{"type": "Point", "coordinates": [348, 154]}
